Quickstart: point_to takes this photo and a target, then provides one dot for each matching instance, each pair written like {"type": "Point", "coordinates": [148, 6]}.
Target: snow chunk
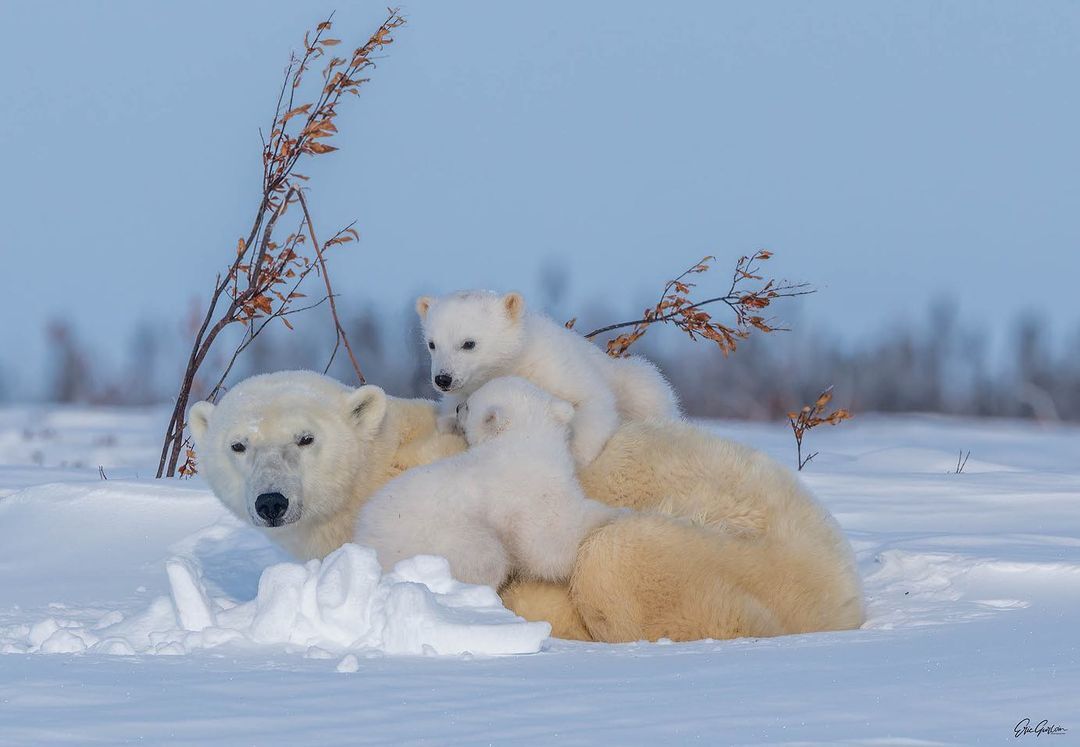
{"type": "Point", "coordinates": [114, 647]}
{"type": "Point", "coordinates": [345, 602]}
{"type": "Point", "coordinates": [349, 665]}
{"type": "Point", "coordinates": [63, 641]}
{"type": "Point", "coordinates": [323, 608]}
{"type": "Point", "coordinates": [189, 596]}
{"type": "Point", "coordinates": [41, 631]}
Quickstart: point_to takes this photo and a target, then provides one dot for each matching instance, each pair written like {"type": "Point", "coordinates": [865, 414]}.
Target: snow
{"type": "Point", "coordinates": [138, 610]}
{"type": "Point", "coordinates": [341, 603]}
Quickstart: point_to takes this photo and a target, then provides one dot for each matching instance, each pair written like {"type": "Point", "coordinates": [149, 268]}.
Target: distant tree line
{"type": "Point", "coordinates": [932, 365]}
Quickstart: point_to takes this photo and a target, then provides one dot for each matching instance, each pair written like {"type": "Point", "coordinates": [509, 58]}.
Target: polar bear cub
{"type": "Point", "coordinates": [509, 505]}
{"type": "Point", "coordinates": [476, 336]}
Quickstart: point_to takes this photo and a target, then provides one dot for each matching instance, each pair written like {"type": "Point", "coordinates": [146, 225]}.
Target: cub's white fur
{"type": "Point", "coordinates": [510, 505]}
{"type": "Point", "coordinates": [476, 336]}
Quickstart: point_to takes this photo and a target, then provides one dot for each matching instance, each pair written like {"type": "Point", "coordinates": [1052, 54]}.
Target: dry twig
{"type": "Point", "coordinates": [811, 416]}
{"type": "Point", "coordinates": [677, 307]}
{"type": "Point", "coordinates": [961, 462]}
{"type": "Point", "coordinates": [341, 336]}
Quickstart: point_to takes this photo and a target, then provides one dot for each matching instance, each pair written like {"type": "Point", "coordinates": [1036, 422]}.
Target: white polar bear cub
{"type": "Point", "coordinates": [476, 336]}
{"type": "Point", "coordinates": [509, 505]}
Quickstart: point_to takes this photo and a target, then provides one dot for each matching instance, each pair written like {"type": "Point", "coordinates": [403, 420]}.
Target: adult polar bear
{"type": "Point", "coordinates": [725, 542]}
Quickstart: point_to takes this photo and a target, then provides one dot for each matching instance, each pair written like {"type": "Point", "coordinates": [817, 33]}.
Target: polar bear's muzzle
{"type": "Point", "coordinates": [275, 489]}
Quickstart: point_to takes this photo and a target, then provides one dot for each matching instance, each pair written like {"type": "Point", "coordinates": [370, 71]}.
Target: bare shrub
{"type": "Point", "coordinates": [262, 282]}
{"type": "Point", "coordinates": [811, 416]}
{"type": "Point", "coordinates": [961, 462]}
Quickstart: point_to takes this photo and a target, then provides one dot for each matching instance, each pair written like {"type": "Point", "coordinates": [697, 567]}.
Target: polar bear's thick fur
{"type": "Point", "coordinates": [511, 504]}
{"type": "Point", "coordinates": [475, 336]}
{"type": "Point", "coordinates": [723, 529]}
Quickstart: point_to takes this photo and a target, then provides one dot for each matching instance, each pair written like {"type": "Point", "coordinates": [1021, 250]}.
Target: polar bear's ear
{"type": "Point", "coordinates": [422, 305]}
{"type": "Point", "coordinates": [367, 408]}
{"type": "Point", "coordinates": [562, 411]}
{"type": "Point", "coordinates": [514, 305]}
{"type": "Point", "coordinates": [199, 420]}
{"type": "Point", "coordinates": [495, 420]}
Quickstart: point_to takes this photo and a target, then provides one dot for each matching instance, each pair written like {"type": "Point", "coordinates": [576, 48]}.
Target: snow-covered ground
{"type": "Point", "coordinates": [114, 595]}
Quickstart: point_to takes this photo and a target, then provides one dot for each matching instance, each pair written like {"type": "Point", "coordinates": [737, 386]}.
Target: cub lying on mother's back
{"type": "Point", "coordinates": [476, 336]}
{"type": "Point", "coordinates": [510, 505]}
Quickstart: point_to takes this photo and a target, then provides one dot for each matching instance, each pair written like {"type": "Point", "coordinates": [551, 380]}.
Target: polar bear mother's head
{"type": "Point", "coordinates": [283, 450]}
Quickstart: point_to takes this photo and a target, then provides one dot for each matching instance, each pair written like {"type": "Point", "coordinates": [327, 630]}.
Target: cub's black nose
{"type": "Point", "coordinates": [271, 506]}
{"type": "Point", "coordinates": [443, 381]}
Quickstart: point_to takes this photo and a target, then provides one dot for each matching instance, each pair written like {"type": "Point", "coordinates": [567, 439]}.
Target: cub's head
{"type": "Point", "coordinates": [512, 404]}
{"type": "Point", "coordinates": [471, 336]}
{"type": "Point", "coordinates": [286, 447]}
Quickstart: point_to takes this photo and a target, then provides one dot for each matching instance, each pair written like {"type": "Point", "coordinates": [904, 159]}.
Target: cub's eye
{"type": "Point", "coordinates": [239, 448]}
{"type": "Point", "coordinates": [431, 345]}
{"type": "Point", "coordinates": [306, 440]}
{"type": "Point", "coordinates": [468, 345]}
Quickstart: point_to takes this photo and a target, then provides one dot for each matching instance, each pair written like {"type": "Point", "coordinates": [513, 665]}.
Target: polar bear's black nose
{"type": "Point", "coordinates": [271, 506]}
{"type": "Point", "coordinates": [443, 381]}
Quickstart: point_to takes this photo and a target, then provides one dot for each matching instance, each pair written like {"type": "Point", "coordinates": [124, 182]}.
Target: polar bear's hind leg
{"type": "Point", "coordinates": [648, 577]}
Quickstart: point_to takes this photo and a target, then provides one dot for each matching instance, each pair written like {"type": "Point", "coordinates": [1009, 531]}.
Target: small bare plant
{"type": "Point", "coordinates": [262, 281]}
{"type": "Point", "coordinates": [961, 462]}
{"type": "Point", "coordinates": [676, 306]}
{"type": "Point", "coordinates": [811, 416]}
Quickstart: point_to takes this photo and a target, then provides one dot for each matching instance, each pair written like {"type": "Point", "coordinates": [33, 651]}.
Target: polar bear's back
{"type": "Point", "coordinates": [773, 535]}
{"type": "Point", "coordinates": [555, 358]}
{"type": "Point", "coordinates": [641, 390]}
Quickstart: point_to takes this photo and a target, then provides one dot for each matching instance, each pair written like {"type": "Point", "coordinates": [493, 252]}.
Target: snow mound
{"type": "Point", "coordinates": [921, 586]}
{"type": "Point", "coordinates": [340, 604]}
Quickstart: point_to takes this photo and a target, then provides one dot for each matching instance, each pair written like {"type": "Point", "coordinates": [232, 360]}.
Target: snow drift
{"type": "Point", "coordinates": [341, 604]}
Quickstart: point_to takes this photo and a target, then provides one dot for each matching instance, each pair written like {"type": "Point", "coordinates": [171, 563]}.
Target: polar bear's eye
{"type": "Point", "coordinates": [239, 448]}
{"type": "Point", "coordinates": [468, 345]}
{"type": "Point", "coordinates": [305, 440]}
{"type": "Point", "coordinates": [431, 345]}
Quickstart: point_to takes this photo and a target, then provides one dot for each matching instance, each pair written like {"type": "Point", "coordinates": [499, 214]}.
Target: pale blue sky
{"type": "Point", "coordinates": [886, 152]}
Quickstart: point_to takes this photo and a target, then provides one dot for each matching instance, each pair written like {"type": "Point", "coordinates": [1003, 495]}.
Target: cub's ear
{"type": "Point", "coordinates": [562, 411]}
{"type": "Point", "coordinates": [514, 305]}
{"type": "Point", "coordinates": [199, 420]}
{"type": "Point", "coordinates": [367, 408]}
{"type": "Point", "coordinates": [495, 420]}
{"type": "Point", "coordinates": [422, 305]}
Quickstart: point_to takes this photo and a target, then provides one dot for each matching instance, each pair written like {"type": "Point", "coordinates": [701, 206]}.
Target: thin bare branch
{"type": "Point", "coordinates": [675, 306]}
{"type": "Point", "coordinates": [330, 291]}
